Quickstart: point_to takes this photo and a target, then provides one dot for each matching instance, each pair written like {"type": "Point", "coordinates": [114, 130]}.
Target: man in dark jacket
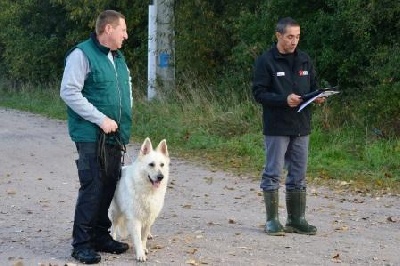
{"type": "Point", "coordinates": [281, 76]}
{"type": "Point", "coordinates": [97, 90]}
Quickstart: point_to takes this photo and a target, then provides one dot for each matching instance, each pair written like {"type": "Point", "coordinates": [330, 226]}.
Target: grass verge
{"type": "Point", "coordinates": [225, 133]}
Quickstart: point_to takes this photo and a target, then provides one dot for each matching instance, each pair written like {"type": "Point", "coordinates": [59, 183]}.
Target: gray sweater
{"type": "Point", "coordinates": [75, 72]}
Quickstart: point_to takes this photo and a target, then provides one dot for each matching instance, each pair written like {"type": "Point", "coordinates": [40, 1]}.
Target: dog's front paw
{"type": "Point", "coordinates": [141, 257]}
{"type": "Point", "coordinates": [146, 251]}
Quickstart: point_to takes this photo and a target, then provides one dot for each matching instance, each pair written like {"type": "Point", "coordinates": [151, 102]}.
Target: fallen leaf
{"type": "Point", "coordinates": [191, 262]}
{"type": "Point", "coordinates": [209, 180]}
{"type": "Point", "coordinates": [342, 228]}
{"type": "Point", "coordinates": [157, 247]}
{"type": "Point", "coordinates": [18, 263]}
{"type": "Point", "coordinates": [212, 223]}
{"type": "Point", "coordinates": [244, 248]}
{"type": "Point", "coordinates": [336, 258]}
{"type": "Point", "coordinates": [314, 192]}
{"type": "Point", "coordinates": [192, 251]}
{"type": "Point", "coordinates": [358, 201]}
{"type": "Point", "coordinates": [344, 183]}
{"type": "Point", "coordinates": [392, 219]}
{"type": "Point", "coordinates": [11, 191]}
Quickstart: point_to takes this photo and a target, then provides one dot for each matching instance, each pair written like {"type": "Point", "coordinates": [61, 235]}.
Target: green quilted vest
{"type": "Point", "coordinates": [107, 88]}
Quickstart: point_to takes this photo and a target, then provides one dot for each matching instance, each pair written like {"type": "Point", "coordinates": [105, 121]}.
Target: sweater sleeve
{"type": "Point", "coordinates": [75, 72]}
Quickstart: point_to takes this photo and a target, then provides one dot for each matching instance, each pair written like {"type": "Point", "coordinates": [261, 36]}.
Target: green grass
{"type": "Point", "coordinates": [44, 101]}
{"type": "Point", "coordinates": [225, 133]}
{"type": "Point", "coordinates": [345, 154]}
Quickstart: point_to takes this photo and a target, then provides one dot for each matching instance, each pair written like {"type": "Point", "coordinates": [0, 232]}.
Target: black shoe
{"type": "Point", "coordinates": [86, 255]}
{"type": "Point", "coordinates": [109, 245]}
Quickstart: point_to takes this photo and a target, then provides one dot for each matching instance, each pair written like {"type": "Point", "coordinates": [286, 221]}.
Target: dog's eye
{"type": "Point", "coordinates": [151, 164]}
{"type": "Point", "coordinates": [162, 165]}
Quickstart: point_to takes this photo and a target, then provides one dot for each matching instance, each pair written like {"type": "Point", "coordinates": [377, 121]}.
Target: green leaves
{"type": "Point", "coordinates": [354, 44]}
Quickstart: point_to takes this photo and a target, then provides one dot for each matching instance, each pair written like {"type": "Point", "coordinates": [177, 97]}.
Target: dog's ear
{"type": "Point", "coordinates": [146, 147]}
{"type": "Point", "coordinates": [162, 147]}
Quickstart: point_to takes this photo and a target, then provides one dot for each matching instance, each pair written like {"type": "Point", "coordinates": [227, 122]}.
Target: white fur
{"type": "Point", "coordinates": [137, 201]}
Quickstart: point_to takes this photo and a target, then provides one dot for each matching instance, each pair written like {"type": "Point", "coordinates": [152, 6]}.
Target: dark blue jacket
{"type": "Point", "coordinates": [274, 79]}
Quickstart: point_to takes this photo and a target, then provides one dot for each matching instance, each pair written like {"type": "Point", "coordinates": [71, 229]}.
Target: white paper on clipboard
{"type": "Point", "coordinates": [325, 93]}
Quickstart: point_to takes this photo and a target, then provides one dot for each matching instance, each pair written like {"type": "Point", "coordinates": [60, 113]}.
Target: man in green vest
{"type": "Point", "coordinates": [96, 88]}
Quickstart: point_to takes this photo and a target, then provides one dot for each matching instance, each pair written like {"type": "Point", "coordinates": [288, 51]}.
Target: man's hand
{"type": "Point", "coordinates": [319, 100]}
{"type": "Point", "coordinates": [109, 125]}
{"type": "Point", "coordinates": [293, 100]}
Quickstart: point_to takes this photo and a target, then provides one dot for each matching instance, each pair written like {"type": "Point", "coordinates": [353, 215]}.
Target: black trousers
{"type": "Point", "coordinates": [98, 180]}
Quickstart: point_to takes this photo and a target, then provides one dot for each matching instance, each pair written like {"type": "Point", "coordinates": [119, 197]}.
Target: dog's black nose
{"type": "Point", "coordinates": [160, 177]}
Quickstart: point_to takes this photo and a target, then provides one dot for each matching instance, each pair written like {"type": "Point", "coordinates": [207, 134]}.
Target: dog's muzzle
{"type": "Point", "coordinates": [156, 183]}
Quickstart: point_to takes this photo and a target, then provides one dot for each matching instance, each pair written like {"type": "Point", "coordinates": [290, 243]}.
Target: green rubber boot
{"type": "Point", "coordinates": [272, 227]}
{"type": "Point", "coordinates": [296, 208]}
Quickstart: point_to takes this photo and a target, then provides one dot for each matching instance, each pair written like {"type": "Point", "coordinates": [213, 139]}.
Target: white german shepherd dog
{"type": "Point", "coordinates": [139, 196]}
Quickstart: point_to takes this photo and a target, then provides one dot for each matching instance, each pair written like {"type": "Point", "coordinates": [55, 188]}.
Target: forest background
{"type": "Point", "coordinates": [210, 114]}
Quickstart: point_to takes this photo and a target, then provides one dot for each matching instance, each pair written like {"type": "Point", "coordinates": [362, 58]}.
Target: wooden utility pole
{"type": "Point", "coordinates": [161, 47]}
{"type": "Point", "coordinates": [152, 51]}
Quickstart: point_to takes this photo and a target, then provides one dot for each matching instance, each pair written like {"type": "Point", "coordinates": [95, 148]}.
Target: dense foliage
{"type": "Point", "coordinates": [355, 44]}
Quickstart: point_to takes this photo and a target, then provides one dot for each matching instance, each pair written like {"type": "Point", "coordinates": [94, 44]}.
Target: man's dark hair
{"type": "Point", "coordinates": [283, 23]}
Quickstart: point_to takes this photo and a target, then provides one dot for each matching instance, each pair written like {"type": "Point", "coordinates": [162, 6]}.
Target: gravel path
{"type": "Point", "coordinates": [210, 217]}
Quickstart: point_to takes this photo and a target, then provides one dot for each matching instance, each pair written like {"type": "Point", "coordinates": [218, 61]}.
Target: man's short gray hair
{"type": "Point", "coordinates": [107, 17]}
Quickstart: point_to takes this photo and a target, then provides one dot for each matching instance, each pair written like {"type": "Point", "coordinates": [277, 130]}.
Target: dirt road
{"type": "Point", "coordinates": [209, 218]}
